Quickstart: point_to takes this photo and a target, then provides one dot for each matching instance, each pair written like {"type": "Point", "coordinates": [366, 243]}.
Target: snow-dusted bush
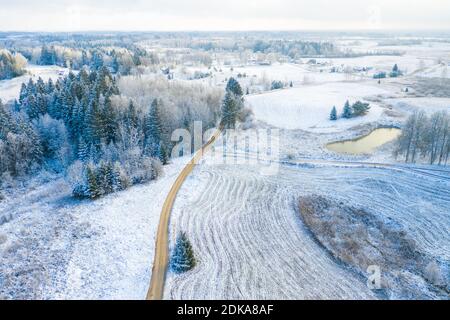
{"type": "Point", "coordinates": [434, 273]}
{"type": "Point", "coordinates": [54, 141]}
{"type": "Point", "coordinates": [276, 85]}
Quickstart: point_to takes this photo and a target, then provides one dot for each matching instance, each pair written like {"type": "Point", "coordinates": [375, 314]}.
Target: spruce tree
{"type": "Point", "coordinates": [104, 177]}
{"type": "Point", "coordinates": [347, 113]}
{"type": "Point", "coordinates": [92, 183]}
{"type": "Point", "coordinates": [23, 93]}
{"type": "Point", "coordinates": [229, 110]}
{"type": "Point", "coordinates": [154, 146]}
{"type": "Point", "coordinates": [115, 62]}
{"type": "Point", "coordinates": [234, 86]}
{"type": "Point", "coordinates": [232, 104]}
{"type": "Point", "coordinates": [117, 181]}
{"type": "Point", "coordinates": [83, 150]}
{"type": "Point", "coordinates": [109, 121]}
{"type": "Point", "coordinates": [182, 259]}
{"type": "Point", "coordinates": [333, 114]}
{"type": "Point", "coordinates": [31, 107]}
{"type": "Point", "coordinates": [6, 122]}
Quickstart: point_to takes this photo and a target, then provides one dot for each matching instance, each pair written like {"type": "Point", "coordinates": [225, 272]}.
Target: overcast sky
{"type": "Point", "coordinates": [81, 15]}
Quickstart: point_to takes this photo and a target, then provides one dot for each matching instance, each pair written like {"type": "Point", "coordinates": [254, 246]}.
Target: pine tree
{"type": "Point", "coordinates": [97, 60]}
{"type": "Point", "coordinates": [6, 122]}
{"type": "Point", "coordinates": [50, 86]}
{"type": "Point", "coordinates": [40, 86]}
{"type": "Point", "coordinates": [229, 110]}
{"type": "Point", "coordinates": [162, 153]}
{"type": "Point", "coordinates": [347, 112]}
{"type": "Point", "coordinates": [154, 146]}
{"type": "Point", "coordinates": [48, 56]}
{"type": "Point", "coordinates": [109, 121]}
{"type": "Point", "coordinates": [115, 62]}
{"type": "Point", "coordinates": [104, 177]}
{"type": "Point", "coordinates": [182, 259]}
{"type": "Point", "coordinates": [31, 87]}
{"type": "Point", "coordinates": [84, 58]}
{"type": "Point", "coordinates": [333, 114]}
{"type": "Point", "coordinates": [83, 150]}
{"type": "Point", "coordinates": [23, 93]}
{"type": "Point", "coordinates": [131, 117]}
{"type": "Point", "coordinates": [31, 107]}
{"type": "Point", "coordinates": [16, 106]}
{"type": "Point", "coordinates": [118, 183]}
{"type": "Point", "coordinates": [92, 183]}
{"type": "Point", "coordinates": [234, 86]}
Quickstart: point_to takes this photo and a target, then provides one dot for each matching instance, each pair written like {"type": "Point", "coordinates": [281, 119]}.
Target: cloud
{"type": "Point", "coordinates": [67, 15]}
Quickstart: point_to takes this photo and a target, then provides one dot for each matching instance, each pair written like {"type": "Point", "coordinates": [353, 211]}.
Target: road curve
{"type": "Point", "coordinates": [161, 259]}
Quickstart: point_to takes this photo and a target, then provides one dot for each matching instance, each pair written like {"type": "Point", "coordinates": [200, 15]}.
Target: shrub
{"type": "Point", "coordinates": [276, 85]}
{"type": "Point", "coordinates": [360, 108]}
{"type": "Point", "coordinates": [379, 75]}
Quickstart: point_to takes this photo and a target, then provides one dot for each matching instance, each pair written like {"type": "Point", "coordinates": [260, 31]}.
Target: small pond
{"type": "Point", "coordinates": [366, 144]}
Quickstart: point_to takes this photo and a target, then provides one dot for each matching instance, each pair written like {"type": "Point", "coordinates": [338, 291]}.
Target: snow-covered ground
{"type": "Point", "coordinates": [427, 104]}
{"type": "Point", "coordinates": [309, 107]}
{"type": "Point", "coordinates": [408, 64]}
{"type": "Point", "coordinates": [245, 227]}
{"type": "Point", "coordinates": [53, 247]}
{"type": "Point", "coordinates": [439, 71]}
{"type": "Point", "coordinates": [251, 244]}
{"type": "Point", "coordinates": [259, 77]}
{"type": "Point", "coordinates": [10, 89]}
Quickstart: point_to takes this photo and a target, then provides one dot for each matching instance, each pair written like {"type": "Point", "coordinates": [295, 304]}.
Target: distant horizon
{"type": "Point", "coordinates": [380, 31]}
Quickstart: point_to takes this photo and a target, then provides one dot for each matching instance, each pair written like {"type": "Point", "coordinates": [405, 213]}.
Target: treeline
{"type": "Point", "coordinates": [296, 49]}
{"type": "Point", "coordinates": [11, 65]}
{"type": "Point", "coordinates": [117, 60]}
{"type": "Point", "coordinates": [426, 138]}
{"type": "Point", "coordinates": [74, 124]}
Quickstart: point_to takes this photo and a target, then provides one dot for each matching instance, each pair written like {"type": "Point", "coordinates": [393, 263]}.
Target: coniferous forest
{"type": "Point", "coordinates": [82, 126]}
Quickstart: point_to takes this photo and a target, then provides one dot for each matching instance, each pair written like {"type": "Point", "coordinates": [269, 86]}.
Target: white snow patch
{"type": "Point", "coordinates": [10, 89]}
{"type": "Point", "coordinates": [309, 107]}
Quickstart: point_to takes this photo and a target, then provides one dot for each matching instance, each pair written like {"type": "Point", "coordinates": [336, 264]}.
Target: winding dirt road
{"type": "Point", "coordinates": [161, 259]}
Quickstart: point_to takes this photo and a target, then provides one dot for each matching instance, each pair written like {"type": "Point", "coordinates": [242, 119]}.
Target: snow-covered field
{"type": "Point", "coordinates": [10, 89]}
{"type": "Point", "coordinates": [439, 71]}
{"type": "Point", "coordinates": [427, 104]}
{"type": "Point", "coordinates": [251, 244]}
{"type": "Point", "coordinates": [408, 64]}
{"type": "Point", "coordinates": [309, 107]}
{"type": "Point", "coordinates": [245, 227]}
